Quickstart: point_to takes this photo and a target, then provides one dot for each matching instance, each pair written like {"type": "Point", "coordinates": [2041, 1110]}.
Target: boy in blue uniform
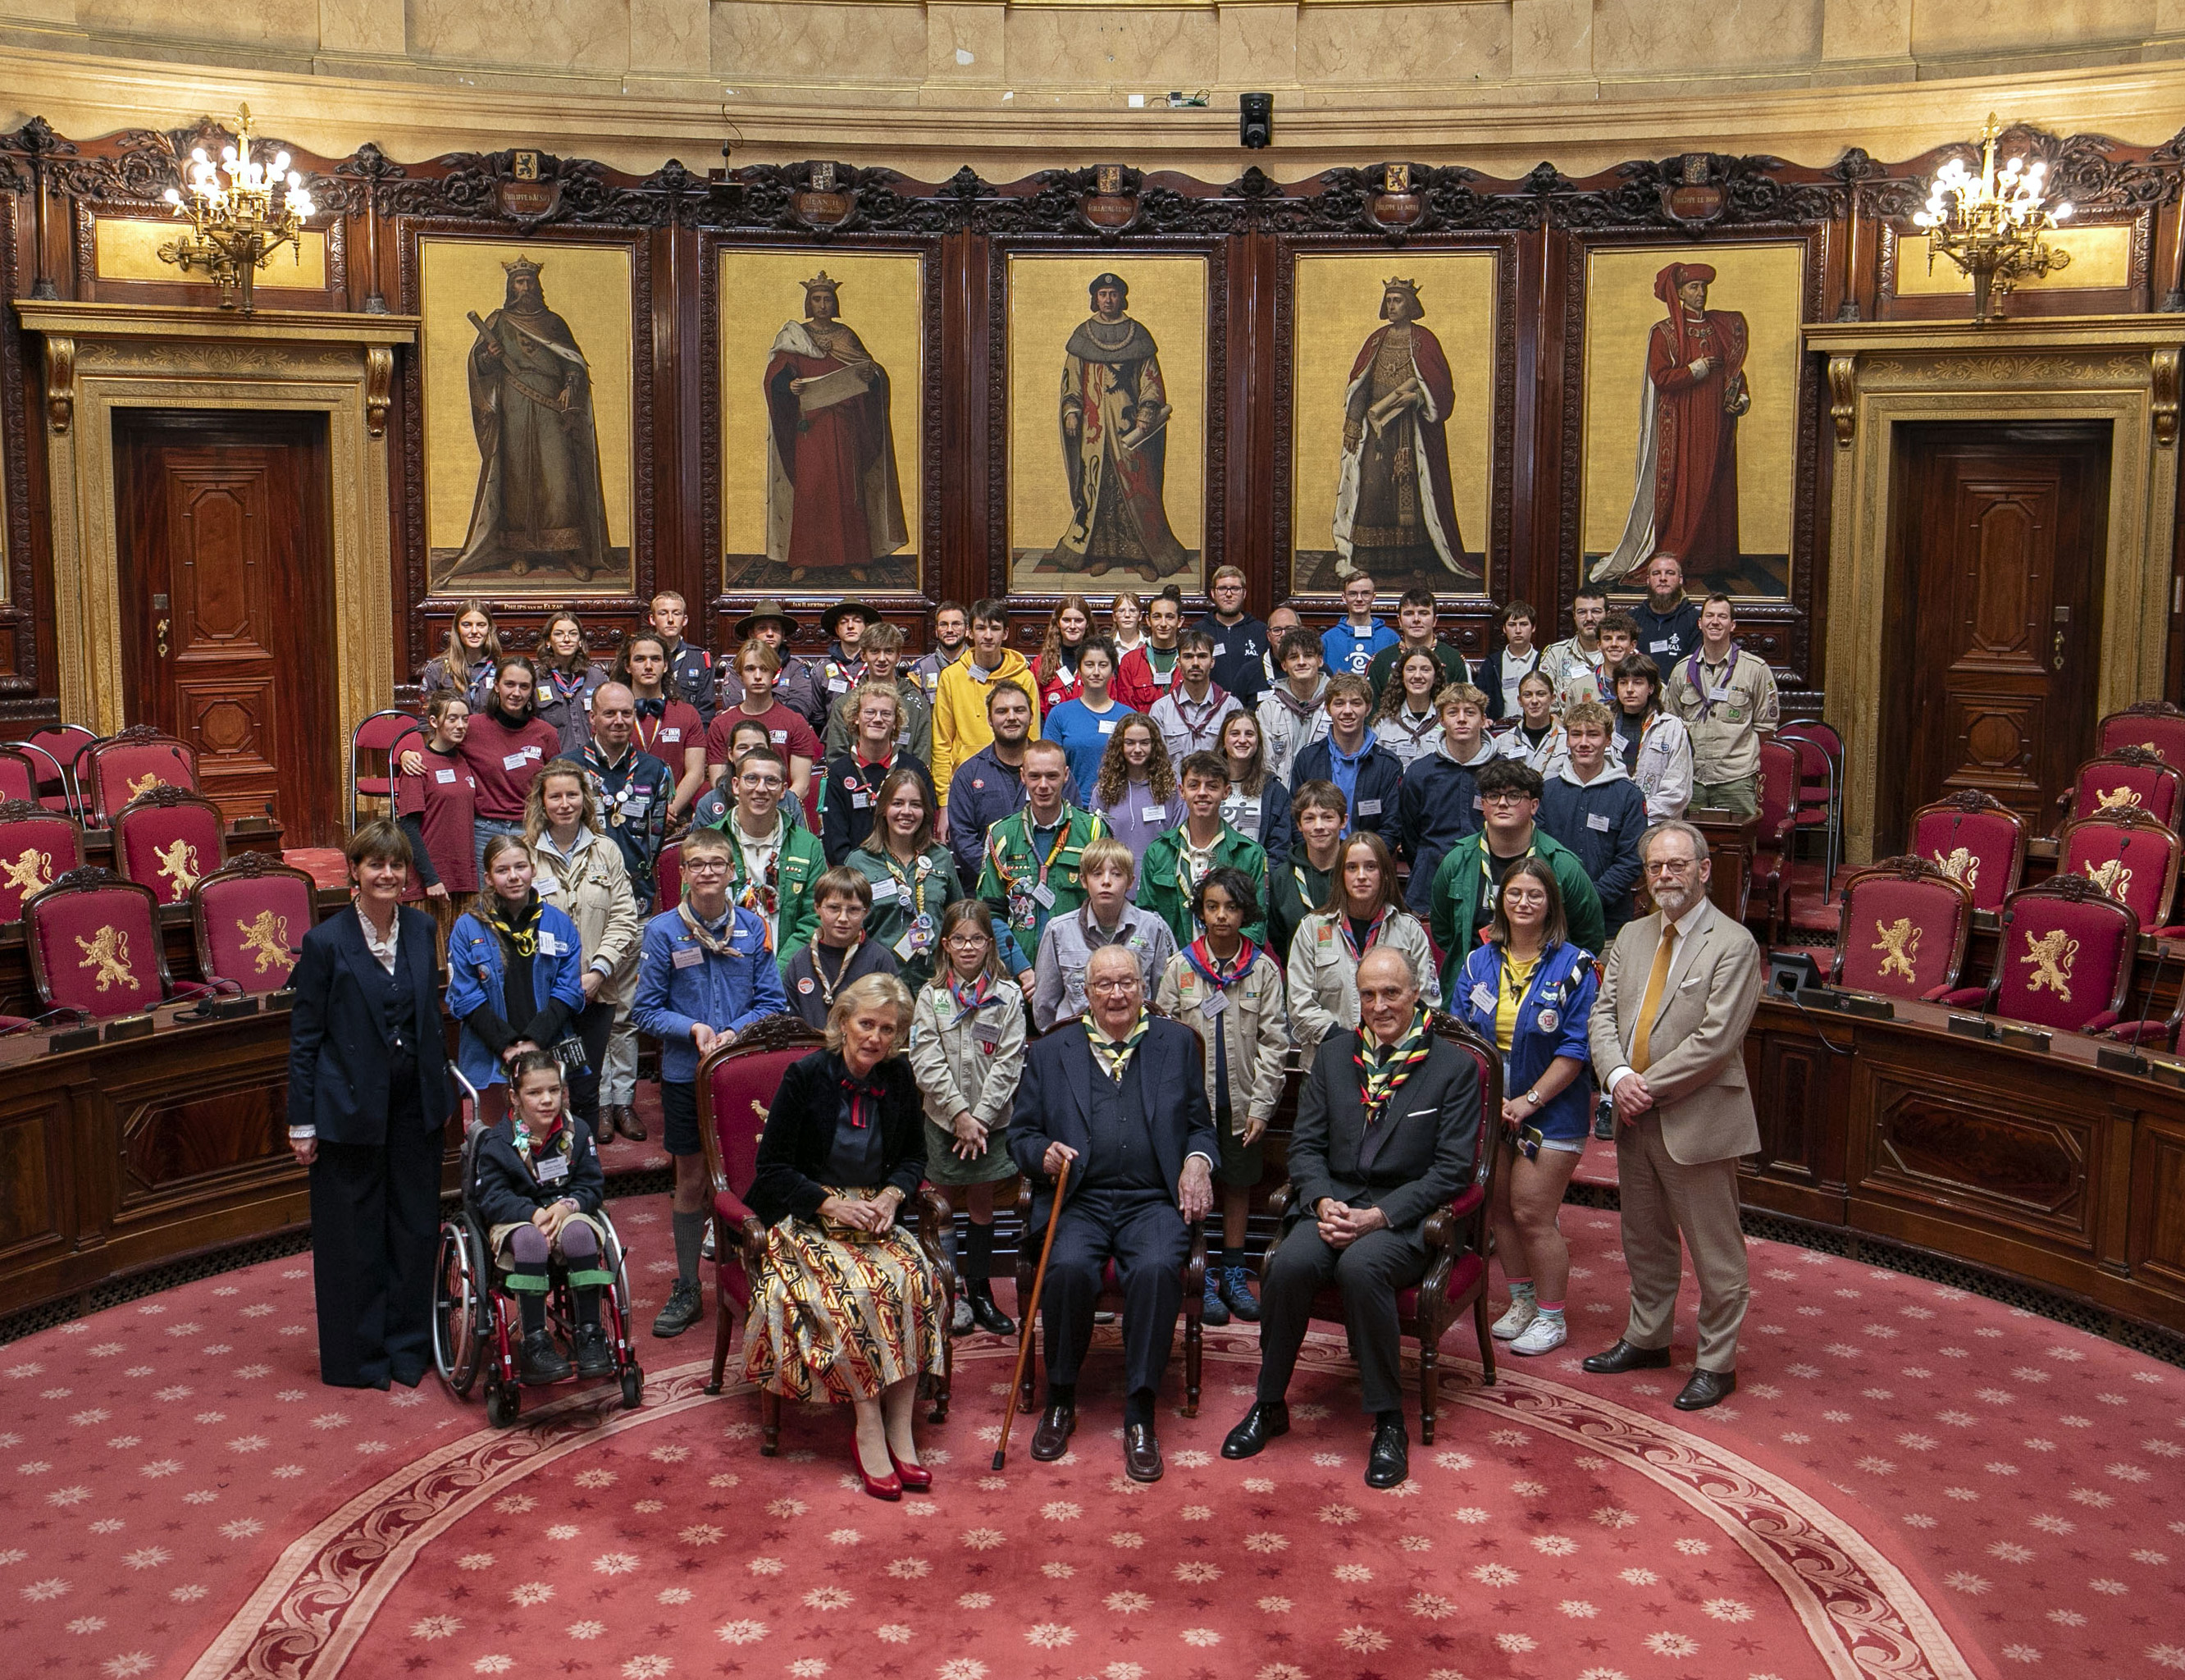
{"type": "Point", "coordinates": [1350, 643]}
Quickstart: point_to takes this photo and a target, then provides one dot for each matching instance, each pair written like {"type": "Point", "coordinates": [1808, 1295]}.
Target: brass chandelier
{"type": "Point", "coordinates": [238, 224]}
{"type": "Point", "coordinates": [1990, 225]}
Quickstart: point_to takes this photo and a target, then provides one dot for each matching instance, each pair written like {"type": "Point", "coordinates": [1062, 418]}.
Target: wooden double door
{"type": "Point", "coordinates": [227, 622]}
{"type": "Point", "coordinates": [1992, 652]}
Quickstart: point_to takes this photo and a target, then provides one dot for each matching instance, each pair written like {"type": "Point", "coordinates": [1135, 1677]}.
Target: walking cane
{"type": "Point", "coordinates": [1030, 1312]}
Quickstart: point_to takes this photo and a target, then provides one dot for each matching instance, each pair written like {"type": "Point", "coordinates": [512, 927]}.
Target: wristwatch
{"type": "Point", "coordinates": [1534, 1097]}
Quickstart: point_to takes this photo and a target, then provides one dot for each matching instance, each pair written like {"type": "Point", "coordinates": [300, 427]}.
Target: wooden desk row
{"type": "Point", "coordinates": [2044, 1166]}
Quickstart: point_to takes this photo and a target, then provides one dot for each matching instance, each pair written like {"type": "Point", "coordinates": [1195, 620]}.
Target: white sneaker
{"type": "Point", "coordinates": [1546, 1333]}
{"type": "Point", "coordinates": [1512, 1325]}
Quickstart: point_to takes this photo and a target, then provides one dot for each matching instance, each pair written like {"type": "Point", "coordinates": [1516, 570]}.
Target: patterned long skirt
{"type": "Point", "coordinates": [843, 1313]}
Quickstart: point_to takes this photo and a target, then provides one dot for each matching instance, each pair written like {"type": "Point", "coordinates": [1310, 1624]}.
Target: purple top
{"type": "Point", "coordinates": [1137, 818]}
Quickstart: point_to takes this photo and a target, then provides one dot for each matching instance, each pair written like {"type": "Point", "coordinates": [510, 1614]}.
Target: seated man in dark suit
{"type": "Point", "coordinates": [1120, 1096]}
{"type": "Point", "coordinates": [1387, 1125]}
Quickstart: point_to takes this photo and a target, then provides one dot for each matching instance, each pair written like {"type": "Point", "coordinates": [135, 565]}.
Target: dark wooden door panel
{"type": "Point", "coordinates": [225, 552]}
{"type": "Point", "coordinates": [1996, 583]}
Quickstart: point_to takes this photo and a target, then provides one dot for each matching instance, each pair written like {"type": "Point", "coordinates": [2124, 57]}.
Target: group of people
{"type": "Point", "coordinates": [1029, 902]}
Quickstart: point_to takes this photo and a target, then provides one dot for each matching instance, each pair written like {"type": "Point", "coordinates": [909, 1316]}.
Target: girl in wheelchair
{"type": "Point", "coordinates": [537, 1188]}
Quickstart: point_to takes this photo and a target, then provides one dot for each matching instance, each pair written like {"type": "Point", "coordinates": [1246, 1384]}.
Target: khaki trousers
{"type": "Point", "coordinates": [1741, 797]}
{"type": "Point", "coordinates": [1662, 1201]}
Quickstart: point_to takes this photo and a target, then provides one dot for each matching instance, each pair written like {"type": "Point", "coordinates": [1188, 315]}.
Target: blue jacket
{"type": "Point", "coordinates": [1601, 821]}
{"type": "Point", "coordinates": [1438, 807]}
{"type": "Point", "coordinates": [1346, 650]}
{"type": "Point", "coordinates": [1076, 728]}
{"type": "Point", "coordinates": [476, 978]}
{"type": "Point", "coordinates": [1238, 650]}
{"type": "Point", "coordinates": [1666, 636]}
{"type": "Point", "coordinates": [982, 791]}
{"type": "Point", "coordinates": [1278, 833]}
{"type": "Point", "coordinates": [337, 1040]}
{"type": "Point", "coordinates": [728, 993]}
{"type": "Point", "coordinates": [1564, 984]}
{"type": "Point", "coordinates": [1380, 782]}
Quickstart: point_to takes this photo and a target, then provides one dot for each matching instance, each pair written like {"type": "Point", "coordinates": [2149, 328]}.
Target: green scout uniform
{"type": "Point", "coordinates": [1165, 887]}
{"type": "Point", "coordinates": [1295, 891]}
{"type": "Point", "coordinates": [1461, 879]}
{"type": "Point", "coordinates": [907, 904]}
{"type": "Point", "coordinates": [784, 898]}
{"type": "Point", "coordinates": [1027, 884]}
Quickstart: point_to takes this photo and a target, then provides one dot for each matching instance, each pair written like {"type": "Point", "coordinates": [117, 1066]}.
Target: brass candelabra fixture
{"type": "Point", "coordinates": [1990, 224]}
{"type": "Point", "coordinates": [238, 224]}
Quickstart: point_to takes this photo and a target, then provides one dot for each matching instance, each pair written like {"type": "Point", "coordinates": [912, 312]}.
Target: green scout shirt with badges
{"type": "Point", "coordinates": [1166, 881]}
{"type": "Point", "coordinates": [784, 898]}
{"type": "Point", "coordinates": [1027, 880]}
{"type": "Point", "coordinates": [907, 900]}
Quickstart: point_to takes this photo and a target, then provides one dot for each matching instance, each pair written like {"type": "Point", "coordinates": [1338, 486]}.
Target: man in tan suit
{"type": "Point", "coordinates": [1668, 1046]}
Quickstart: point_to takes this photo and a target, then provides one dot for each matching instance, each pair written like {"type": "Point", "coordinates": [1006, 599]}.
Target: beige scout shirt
{"type": "Point", "coordinates": [1255, 1022]}
{"type": "Point", "coordinates": [1732, 705]}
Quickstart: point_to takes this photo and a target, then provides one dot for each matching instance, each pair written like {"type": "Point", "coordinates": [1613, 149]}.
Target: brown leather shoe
{"type": "Point", "coordinates": [628, 1123]}
{"type": "Point", "coordinates": [1051, 1440]}
{"type": "Point", "coordinates": [1141, 1458]}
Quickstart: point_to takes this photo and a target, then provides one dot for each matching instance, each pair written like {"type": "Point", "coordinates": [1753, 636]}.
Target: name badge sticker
{"type": "Point", "coordinates": [860, 800]}
{"type": "Point", "coordinates": [778, 737]}
{"type": "Point", "coordinates": [1482, 997]}
{"type": "Point", "coordinates": [1044, 895]}
{"type": "Point", "coordinates": [1215, 1004]}
{"type": "Point", "coordinates": [553, 1169]}
{"type": "Point", "coordinates": [884, 892]}
{"type": "Point", "coordinates": [514, 761]}
{"type": "Point", "coordinates": [443, 777]}
{"type": "Point", "coordinates": [1668, 646]}
{"type": "Point", "coordinates": [1152, 813]}
{"type": "Point", "coordinates": [1369, 808]}
{"type": "Point", "coordinates": [669, 734]}
{"type": "Point", "coordinates": [1597, 822]}
{"type": "Point", "coordinates": [545, 886]}
{"type": "Point", "coordinates": [688, 956]}
{"type": "Point", "coordinates": [548, 945]}
{"type": "Point", "coordinates": [1719, 692]}
{"type": "Point", "coordinates": [1220, 648]}
{"type": "Point", "coordinates": [1107, 726]}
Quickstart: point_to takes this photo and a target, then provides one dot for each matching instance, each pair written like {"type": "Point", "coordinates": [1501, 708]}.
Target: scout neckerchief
{"type": "Point", "coordinates": [1112, 1056]}
{"type": "Point", "coordinates": [970, 1000]}
{"type": "Point", "coordinates": [1351, 946]}
{"type": "Point", "coordinates": [1220, 976]}
{"type": "Point", "coordinates": [1416, 732]}
{"type": "Point", "coordinates": [819, 973]}
{"type": "Point", "coordinates": [919, 925]}
{"type": "Point", "coordinates": [1489, 888]}
{"type": "Point", "coordinates": [1196, 726]}
{"type": "Point", "coordinates": [1709, 699]}
{"type": "Point", "coordinates": [1379, 1082]}
{"type": "Point", "coordinates": [1194, 863]}
{"type": "Point", "coordinates": [1515, 982]}
{"type": "Point", "coordinates": [557, 1138]}
{"type": "Point", "coordinates": [761, 889]}
{"type": "Point", "coordinates": [1022, 913]}
{"type": "Point", "coordinates": [519, 926]}
{"type": "Point", "coordinates": [1302, 710]}
{"type": "Point", "coordinates": [565, 686]}
{"type": "Point", "coordinates": [717, 939]}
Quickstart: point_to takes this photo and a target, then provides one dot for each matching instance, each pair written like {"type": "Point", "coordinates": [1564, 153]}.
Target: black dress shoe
{"type": "Point", "coordinates": [1624, 1357]}
{"type": "Point", "coordinates": [1051, 1440]}
{"type": "Point", "coordinates": [1266, 1421]}
{"type": "Point", "coordinates": [984, 1314]}
{"type": "Point", "coordinates": [1390, 1461]}
{"type": "Point", "coordinates": [1705, 1389]}
{"type": "Point", "coordinates": [1141, 1458]}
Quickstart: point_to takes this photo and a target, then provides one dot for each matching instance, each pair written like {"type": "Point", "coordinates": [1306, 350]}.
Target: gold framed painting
{"type": "Point", "coordinates": [822, 370]}
{"type": "Point", "coordinates": [529, 381]}
{"type": "Point", "coordinates": [1691, 393]}
{"type": "Point", "coordinates": [1393, 433]}
{"type": "Point", "coordinates": [1110, 362]}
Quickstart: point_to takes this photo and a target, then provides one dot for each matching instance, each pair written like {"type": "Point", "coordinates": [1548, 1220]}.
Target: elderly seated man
{"type": "Point", "coordinates": [1388, 1126]}
{"type": "Point", "coordinates": [1119, 1097]}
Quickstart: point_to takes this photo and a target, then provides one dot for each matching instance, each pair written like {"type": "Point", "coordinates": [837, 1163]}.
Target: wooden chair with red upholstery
{"type": "Point", "coordinates": [2130, 856]}
{"type": "Point", "coordinates": [2065, 960]}
{"type": "Point", "coordinates": [1457, 1239]}
{"type": "Point", "coordinates": [19, 775]}
{"type": "Point", "coordinates": [2156, 725]}
{"type": "Point", "coordinates": [95, 950]}
{"type": "Point", "coordinates": [736, 1085]}
{"type": "Point", "coordinates": [170, 839]}
{"type": "Point", "coordinates": [130, 765]}
{"type": "Point", "coordinates": [1902, 929]}
{"type": "Point", "coordinates": [1770, 875]}
{"type": "Point", "coordinates": [2131, 778]}
{"type": "Point", "coordinates": [667, 877]}
{"type": "Point", "coordinates": [1820, 753]}
{"type": "Point", "coordinates": [1976, 838]}
{"type": "Point", "coordinates": [250, 919]}
{"type": "Point", "coordinates": [37, 847]}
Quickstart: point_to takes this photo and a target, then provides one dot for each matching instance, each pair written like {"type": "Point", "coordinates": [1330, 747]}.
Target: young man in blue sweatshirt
{"type": "Point", "coordinates": [1597, 811]}
{"type": "Point", "coordinates": [1668, 623]}
{"type": "Point", "coordinates": [1369, 775]}
{"type": "Point", "coordinates": [1351, 643]}
{"type": "Point", "coordinates": [1440, 804]}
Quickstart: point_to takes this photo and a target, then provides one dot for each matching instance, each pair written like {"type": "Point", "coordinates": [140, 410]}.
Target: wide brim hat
{"type": "Point", "coordinates": [769, 607]}
{"type": "Point", "coordinates": [833, 616]}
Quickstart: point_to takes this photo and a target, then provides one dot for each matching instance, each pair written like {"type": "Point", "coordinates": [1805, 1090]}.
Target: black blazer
{"type": "Point", "coordinates": [503, 1191]}
{"type": "Point", "coordinates": [1052, 1106]}
{"type": "Point", "coordinates": [338, 1042]}
{"type": "Point", "coordinates": [800, 1135]}
{"type": "Point", "coordinates": [1426, 1161]}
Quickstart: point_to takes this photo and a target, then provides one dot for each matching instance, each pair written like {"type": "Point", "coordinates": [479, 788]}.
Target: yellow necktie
{"type": "Point", "coordinates": [1650, 1004]}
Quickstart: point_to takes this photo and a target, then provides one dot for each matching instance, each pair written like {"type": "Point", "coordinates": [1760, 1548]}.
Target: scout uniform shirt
{"type": "Point", "coordinates": [1245, 1027]}
{"type": "Point", "coordinates": [772, 877]}
{"type": "Point", "coordinates": [1726, 709]}
{"type": "Point", "coordinates": [1031, 875]}
{"type": "Point", "coordinates": [907, 900]}
{"type": "Point", "coordinates": [1174, 868]}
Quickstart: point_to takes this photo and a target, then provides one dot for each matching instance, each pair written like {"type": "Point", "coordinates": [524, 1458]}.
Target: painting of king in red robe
{"type": "Point", "coordinates": [1395, 514]}
{"type": "Point", "coordinates": [834, 502]}
{"type": "Point", "coordinates": [1684, 496]}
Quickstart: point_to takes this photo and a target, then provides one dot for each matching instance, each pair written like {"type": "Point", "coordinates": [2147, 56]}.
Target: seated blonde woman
{"type": "Point", "coordinates": [846, 1305]}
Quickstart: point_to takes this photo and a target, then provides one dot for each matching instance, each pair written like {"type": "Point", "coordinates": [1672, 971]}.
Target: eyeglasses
{"type": "Point", "coordinates": [1508, 796]}
{"type": "Point", "coordinates": [706, 866]}
{"type": "Point", "coordinates": [1108, 988]}
{"type": "Point", "coordinates": [965, 942]}
{"type": "Point", "coordinates": [1669, 865]}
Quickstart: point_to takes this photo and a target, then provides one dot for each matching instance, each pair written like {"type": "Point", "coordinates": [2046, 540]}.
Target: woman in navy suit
{"type": "Point", "coordinates": [368, 1101]}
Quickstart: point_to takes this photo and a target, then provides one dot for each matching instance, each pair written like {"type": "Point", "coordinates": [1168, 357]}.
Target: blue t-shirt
{"type": "Point", "coordinates": [1345, 649]}
{"type": "Point", "coordinates": [1083, 734]}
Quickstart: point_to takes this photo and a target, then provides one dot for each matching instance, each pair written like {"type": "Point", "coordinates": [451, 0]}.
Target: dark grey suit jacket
{"type": "Point", "coordinates": [1426, 1155]}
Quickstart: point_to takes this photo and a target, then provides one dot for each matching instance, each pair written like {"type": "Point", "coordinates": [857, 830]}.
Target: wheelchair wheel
{"type": "Point", "coordinates": [459, 1307]}
{"type": "Point", "coordinates": [503, 1401]}
{"type": "Point", "coordinates": [632, 1387]}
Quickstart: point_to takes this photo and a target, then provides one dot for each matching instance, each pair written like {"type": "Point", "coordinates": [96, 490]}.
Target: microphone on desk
{"type": "Point", "coordinates": [2161, 956]}
{"type": "Point", "coordinates": [63, 1015]}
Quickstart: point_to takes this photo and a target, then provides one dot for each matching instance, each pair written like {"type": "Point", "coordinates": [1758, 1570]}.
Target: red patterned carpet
{"type": "Point", "coordinates": [1912, 1482]}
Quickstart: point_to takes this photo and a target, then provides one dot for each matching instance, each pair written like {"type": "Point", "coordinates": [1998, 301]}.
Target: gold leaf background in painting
{"type": "Point", "coordinates": [881, 300]}
{"type": "Point", "coordinates": [1765, 282]}
{"type": "Point", "coordinates": [1335, 308]}
{"type": "Point", "coordinates": [589, 287]}
{"type": "Point", "coordinates": [1047, 300]}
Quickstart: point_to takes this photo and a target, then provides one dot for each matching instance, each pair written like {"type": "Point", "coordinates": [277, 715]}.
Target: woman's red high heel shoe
{"type": "Point", "coordinates": [914, 1478]}
{"type": "Point", "coordinates": [888, 1486]}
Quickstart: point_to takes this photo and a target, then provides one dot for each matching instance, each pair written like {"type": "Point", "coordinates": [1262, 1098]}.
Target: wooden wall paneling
{"type": "Point", "coordinates": [1800, 1168]}
{"type": "Point", "coordinates": [967, 570]}
{"type": "Point", "coordinates": [680, 559]}
{"type": "Point", "coordinates": [2155, 1248]}
{"type": "Point", "coordinates": [27, 697]}
{"type": "Point", "coordinates": [37, 1209]}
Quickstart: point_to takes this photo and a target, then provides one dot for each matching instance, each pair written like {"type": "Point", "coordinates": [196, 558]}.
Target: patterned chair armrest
{"type": "Point", "coordinates": [1935, 994]}
{"type": "Point", "coordinates": [1965, 995]}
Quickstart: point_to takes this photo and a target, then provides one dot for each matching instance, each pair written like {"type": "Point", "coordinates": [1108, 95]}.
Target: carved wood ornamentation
{"type": "Point", "coordinates": [2163, 409]}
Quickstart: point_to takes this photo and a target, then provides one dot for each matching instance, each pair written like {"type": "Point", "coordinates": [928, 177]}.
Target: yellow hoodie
{"type": "Point", "coordinates": [960, 728]}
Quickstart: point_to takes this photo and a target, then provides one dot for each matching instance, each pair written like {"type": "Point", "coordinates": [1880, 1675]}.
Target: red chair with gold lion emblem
{"type": "Point", "coordinates": [1973, 838]}
{"type": "Point", "coordinates": [95, 947]}
{"type": "Point", "coordinates": [250, 919]}
{"type": "Point", "coordinates": [170, 840]}
{"type": "Point", "coordinates": [2064, 962]}
{"type": "Point", "coordinates": [2156, 725]}
{"type": "Point", "coordinates": [130, 765]}
{"type": "Point", "coordinates": [2130, 856]}
{"type": "Point", "coordinates": [2131, 778]}
{"type": "Point", "coordinates": [1901, 930]}
{"type": "Point", "coordinates": [37, 847]}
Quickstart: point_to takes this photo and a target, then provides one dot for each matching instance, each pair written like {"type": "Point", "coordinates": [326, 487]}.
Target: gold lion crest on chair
{"type": "Point", "coordinates": [2112, 878]}
{"type": "Point", "coordinates": [140, 785]}
{"type": "Point", "coordinates": [1899, 945]}
{"type": "Point", "coordinates": [178, 863]}
{"type": "Point", "coordinates": [107, 951]}
{"type": "Point", "coordinates": [34, 869]}
{"type": "Point", "coordinates": [2117, 798]}
{"type": "Point", "coordinates": [2051, 957]}
{"type": "Point", "coordinates": [266, 938]}
{"type": "Point", "coordinates": [1959, 866]}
